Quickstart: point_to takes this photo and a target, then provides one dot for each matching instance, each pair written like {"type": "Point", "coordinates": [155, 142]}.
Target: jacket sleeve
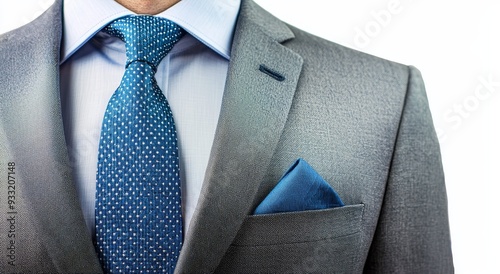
{"type": "Point", "coordinates": [412, 234]}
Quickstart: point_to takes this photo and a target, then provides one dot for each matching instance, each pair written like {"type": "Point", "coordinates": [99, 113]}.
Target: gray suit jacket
{"type": "Point", "coordinates": [362, 122]}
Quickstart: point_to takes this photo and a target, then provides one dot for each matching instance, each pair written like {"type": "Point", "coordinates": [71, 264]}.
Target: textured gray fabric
{"type": "Point", "coordinates": [330, 238]}
{"type": "Point", "coordinates": [362, 122]}
{"type": "Point", "coordinates": [51, 234]}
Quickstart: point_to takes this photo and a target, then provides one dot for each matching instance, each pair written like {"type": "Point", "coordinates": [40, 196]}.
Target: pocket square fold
{"type": "Point", "coordinates": [300, 188]}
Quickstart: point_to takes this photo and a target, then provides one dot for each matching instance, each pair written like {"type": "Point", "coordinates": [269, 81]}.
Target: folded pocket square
{"type": "Point", "coordinates": [300, 188]}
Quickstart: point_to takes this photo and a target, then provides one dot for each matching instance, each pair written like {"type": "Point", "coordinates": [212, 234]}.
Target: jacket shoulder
{"type": "Point", "coordinates": [324, 55]}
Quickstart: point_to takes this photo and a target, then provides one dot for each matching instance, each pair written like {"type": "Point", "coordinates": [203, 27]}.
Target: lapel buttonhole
{"type": "Point", "coordinates": [276, 75]}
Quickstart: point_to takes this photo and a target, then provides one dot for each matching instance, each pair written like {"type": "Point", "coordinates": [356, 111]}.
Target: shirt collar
{"type": "Point", "coordinates": [210, 21]}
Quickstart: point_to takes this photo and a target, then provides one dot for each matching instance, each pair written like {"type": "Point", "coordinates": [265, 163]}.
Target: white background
{"type": "Point", "coordinates": [456, 45]}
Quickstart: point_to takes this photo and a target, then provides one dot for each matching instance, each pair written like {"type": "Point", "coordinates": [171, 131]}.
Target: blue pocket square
{"type": "Point", "coordinates": [300, 188]}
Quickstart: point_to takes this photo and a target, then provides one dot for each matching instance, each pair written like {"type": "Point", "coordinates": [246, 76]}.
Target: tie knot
{"type": "Point", "coordinates": [147, 38]}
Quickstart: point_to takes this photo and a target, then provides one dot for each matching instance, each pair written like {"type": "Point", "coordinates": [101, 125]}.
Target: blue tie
{"type": "Point", "coordinates": [138, 204]}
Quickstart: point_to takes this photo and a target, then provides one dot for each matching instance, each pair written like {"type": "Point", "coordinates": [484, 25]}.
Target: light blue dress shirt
{"type": "Point", "coordinates": [192, 77]}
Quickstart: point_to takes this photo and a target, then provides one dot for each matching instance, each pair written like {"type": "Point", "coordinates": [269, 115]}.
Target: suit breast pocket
{"type": "Point", "coordinates": [322, 241]}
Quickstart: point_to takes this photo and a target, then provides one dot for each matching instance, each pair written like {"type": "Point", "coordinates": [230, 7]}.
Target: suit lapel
{"type": "Point", "coordinates": [35, 135]}
{"type": "Point", "coordinates": [261, 83]}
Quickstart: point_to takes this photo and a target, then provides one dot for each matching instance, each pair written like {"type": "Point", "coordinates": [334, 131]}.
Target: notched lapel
{"type": "Point", "coordinates": [254, 111]}
{"type": "Point", "coordinates": [34, 132]}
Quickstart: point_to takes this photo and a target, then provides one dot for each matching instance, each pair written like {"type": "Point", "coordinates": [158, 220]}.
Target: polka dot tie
{"type": "Point", "coordinates": [138, 204]}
